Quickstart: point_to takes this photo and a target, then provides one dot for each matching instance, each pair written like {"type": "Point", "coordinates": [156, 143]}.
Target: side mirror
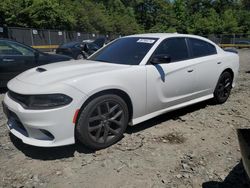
{"type": "Point", "coordinates": [36, 54]}
{"type": "Point", "coordinates": [160, 59]}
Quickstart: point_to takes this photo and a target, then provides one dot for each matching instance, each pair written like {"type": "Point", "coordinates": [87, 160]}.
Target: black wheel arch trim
{"type": "Point", "coordinates": [225, 70]}
{"type": "Point", "coordinates": [230, 71]}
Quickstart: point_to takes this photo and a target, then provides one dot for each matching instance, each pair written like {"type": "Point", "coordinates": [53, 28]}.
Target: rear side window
{"type": "Point", "coordinates": [201, 48]}
{"type": "Point", "coordinates": [175, 48]}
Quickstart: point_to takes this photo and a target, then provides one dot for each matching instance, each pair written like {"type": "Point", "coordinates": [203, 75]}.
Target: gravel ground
{"type": "Point", "coordinates": [189, 148]}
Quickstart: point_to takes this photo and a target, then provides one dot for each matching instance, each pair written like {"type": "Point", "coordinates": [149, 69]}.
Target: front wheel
{"type": "Point", "coordinates": [223, 88]}
{"type": "Point", "coordinates": [102, 122]}
{"type": "Point", "coordinates": [79, 56]}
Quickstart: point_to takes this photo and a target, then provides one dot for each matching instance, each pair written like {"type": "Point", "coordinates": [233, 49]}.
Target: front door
{"type": "Point", "coordinates": [172, 83]}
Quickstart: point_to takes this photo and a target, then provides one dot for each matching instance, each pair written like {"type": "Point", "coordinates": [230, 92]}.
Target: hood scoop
{"type": "Point", "coordinates": [39, 69]}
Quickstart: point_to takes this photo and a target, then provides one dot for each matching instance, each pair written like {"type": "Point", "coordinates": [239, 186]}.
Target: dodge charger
{"type": "Point", "coordinates": [131, 80]}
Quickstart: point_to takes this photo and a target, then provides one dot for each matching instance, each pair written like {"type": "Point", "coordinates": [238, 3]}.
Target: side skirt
{"type": "Point", "coordinates": [157, 113]}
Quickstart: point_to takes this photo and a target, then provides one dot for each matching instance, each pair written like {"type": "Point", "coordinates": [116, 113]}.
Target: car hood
{"type": "Point", "coordinates": [65, 71]}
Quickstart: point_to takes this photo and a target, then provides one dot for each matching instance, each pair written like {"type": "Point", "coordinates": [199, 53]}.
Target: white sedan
{"type": "Point", "coordinates": [131, 80]}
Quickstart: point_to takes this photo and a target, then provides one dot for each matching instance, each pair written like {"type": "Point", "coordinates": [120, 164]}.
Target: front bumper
{"type": "Point", "coordinates": [44, 128]}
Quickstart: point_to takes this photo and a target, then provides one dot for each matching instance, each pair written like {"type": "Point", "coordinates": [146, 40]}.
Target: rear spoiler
{"type": "Point", "coordinates": [233, 50]}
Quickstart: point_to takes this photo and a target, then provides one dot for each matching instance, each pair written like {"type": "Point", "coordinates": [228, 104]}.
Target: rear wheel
{"type": "Point", "coordinates": [102, 122]}
{"type": "Point", "coordinates": [223, 88]}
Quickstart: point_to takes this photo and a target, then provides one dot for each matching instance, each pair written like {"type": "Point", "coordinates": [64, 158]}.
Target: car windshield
{"type": "Point", "coordinates": [99, 42]}
{"type": "Point", "coordinates": [93, 46]}
{"type": "Point", "coordinates": [128, 51]}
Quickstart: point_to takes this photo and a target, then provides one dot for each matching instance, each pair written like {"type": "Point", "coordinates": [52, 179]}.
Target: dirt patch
{"type": "Point", "coordinates": [171, 138]}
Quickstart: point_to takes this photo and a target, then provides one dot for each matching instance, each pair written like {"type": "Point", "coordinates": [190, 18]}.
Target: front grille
{"type": "Point", "coordinates": [19, 98]}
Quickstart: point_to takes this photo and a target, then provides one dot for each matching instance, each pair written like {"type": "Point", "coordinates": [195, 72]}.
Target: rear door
{"type": "Point", "coordinates": [14, 59]}
{"type": "Point", "coordinates": [208, 65]}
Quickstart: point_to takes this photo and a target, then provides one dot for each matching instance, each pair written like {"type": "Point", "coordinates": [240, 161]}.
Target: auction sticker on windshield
{"type": "Point", "coordinates": [149, 41]}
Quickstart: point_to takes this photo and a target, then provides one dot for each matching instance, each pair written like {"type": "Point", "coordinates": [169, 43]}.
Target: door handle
{"type": "Point", "coordinates": [8, 60]}
{"type": "Point", "coordinates": [191, 70]}
{"type": "Point", "coordinates": [219, 63]}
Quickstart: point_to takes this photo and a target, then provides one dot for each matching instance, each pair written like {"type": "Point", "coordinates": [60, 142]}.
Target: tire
{"type": "Point", "coordinates": [223, 88]}
{"type": "Point", "coordinates": [102, 122]}
{"type": "Point", "coordinates": [80, 56]}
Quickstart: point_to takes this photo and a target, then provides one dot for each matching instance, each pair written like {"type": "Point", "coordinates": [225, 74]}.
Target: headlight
{"type": "Point", "coordinates": [37, 102]}
{"type": "Point", "coordinates": [48, 101]}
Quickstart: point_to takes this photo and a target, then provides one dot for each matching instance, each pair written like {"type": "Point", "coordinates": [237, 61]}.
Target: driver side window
{"type": "Point", "coordinates": [175, 48]}
{"type": "Point", "coordinates": [6, 49]}
{"type": "Point", "coordinates": [21, 49]}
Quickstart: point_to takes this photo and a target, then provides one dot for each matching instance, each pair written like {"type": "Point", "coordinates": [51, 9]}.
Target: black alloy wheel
{"type": "Point", "coordinates": [223, 88]}
{"type": "Point", "coordinates": [102, 122]}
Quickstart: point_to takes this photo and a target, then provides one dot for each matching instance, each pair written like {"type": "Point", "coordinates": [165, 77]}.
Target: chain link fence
{"type": "Point", "coordinates": [47, 40]}
{"type": "Point", "coordinates": [232, 40]}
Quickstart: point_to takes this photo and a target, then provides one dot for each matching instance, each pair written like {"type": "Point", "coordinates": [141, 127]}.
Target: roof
{"type": "Point", "coordinates": [154, 35]}
{"type": "Point", "coordinates": [165, 35]}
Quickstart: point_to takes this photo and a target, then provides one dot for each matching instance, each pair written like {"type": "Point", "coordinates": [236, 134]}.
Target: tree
{"type": "Point", "coordinates": [243, 17]}
{"type": "Point", "coordinates": [13, 12]}
{"type": "Point", "coordinates": [206, 23]}
{"type": "Point", "coordinates": [181, 15]}
{"type": "Point", "coordinates": [245, 4]}
{"type": "Point", "coordinates": [230, 24]}
{"type": "Point", "coordinates": [154, 14]}
{"type": "Point", "coordinates": [129, 16]}
{"type": "Point", "coordinates": [44, 13]}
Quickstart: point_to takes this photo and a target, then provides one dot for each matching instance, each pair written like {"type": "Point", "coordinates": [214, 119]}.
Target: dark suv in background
{"type": "Point", "coordinates": [80, 50]}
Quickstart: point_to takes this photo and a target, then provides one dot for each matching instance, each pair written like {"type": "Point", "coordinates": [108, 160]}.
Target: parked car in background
{"type": "Point", "coordinates": [242, 44]}
{"type": "Point", "coordinates": [80, 50]}
{"type": "Point", "coordinates": [16, 58]}
{"type": "Point", "coordinates": [129, 81]}
{"type": "Point", "coordinates": [244, 140]}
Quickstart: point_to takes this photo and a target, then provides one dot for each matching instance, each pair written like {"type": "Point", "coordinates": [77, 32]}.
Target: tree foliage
{"type": "Point", "coordinates": [129, 16]}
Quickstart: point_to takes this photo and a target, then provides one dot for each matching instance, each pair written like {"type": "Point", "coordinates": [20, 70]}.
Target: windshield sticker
{"type": "Point", "coordinates": [148, 41]}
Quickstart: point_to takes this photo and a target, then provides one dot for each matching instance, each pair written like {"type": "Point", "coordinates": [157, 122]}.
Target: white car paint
{"type": "Point", "coordinates": [153, 89]}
